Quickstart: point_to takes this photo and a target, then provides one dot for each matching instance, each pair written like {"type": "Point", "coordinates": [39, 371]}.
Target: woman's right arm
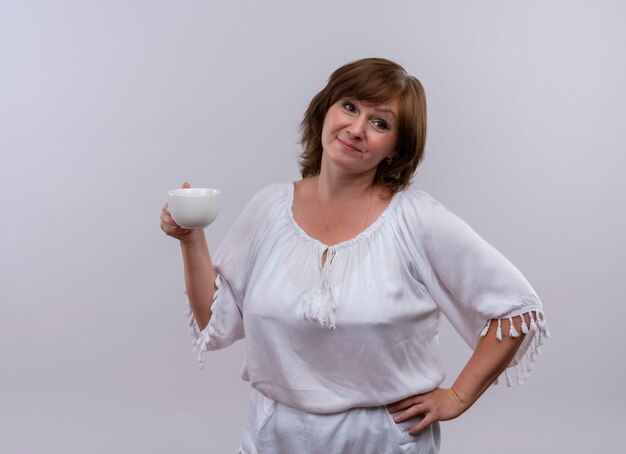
{"type": "Point", "coordinates": [200, 274]}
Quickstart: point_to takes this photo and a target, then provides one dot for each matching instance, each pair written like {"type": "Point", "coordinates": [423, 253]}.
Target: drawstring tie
{"type": "Point", "coordinates": [320, 305]}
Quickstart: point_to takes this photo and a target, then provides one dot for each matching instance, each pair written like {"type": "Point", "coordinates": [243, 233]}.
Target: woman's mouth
{"type": "Point", "coordinates": [348, 145]}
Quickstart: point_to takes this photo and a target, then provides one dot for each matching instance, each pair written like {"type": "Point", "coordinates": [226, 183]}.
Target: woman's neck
{"type": "Point", "coordinates": [341, 188]}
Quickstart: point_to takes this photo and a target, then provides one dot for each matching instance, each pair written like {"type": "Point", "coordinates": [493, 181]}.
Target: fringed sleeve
{"type": "Point", "coordinates": [535, 333]}
{"type": "Point", "coordinates": [475, 285]}
{"type": "Point", "coordinates": [233, 263]}
{"type": "Point", "coordinates": [224, 327]}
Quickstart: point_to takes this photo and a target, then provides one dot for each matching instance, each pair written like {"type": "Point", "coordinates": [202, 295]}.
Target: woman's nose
{"type": "Point", "coordinates": [357, 128]}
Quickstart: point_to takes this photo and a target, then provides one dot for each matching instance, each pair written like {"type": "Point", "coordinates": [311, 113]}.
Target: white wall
{"type": "Point", "coordinates": [104, 106]}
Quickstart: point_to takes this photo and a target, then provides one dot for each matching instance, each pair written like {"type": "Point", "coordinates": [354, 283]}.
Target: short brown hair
{"type": "Point", "coordinates": [374, 81]}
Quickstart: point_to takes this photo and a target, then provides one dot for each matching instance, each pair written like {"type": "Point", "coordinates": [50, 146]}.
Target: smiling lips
{"type": "Point", "coordinates": [348, 145]}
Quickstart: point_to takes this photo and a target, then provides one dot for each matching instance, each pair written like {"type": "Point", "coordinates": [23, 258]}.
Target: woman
{"type": "Point", "coordinates": [339, 280]}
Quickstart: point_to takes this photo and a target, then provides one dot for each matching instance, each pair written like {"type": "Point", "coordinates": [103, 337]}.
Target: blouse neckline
{"type": "Point", "coordinates": [343, 244]}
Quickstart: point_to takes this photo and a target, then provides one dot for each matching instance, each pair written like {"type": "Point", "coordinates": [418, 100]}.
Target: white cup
{"type": "Point", "coordinates": [194, 208]}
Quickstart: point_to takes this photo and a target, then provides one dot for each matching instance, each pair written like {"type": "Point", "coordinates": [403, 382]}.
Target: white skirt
{"type": "Point", "coordinates": [274, 428]}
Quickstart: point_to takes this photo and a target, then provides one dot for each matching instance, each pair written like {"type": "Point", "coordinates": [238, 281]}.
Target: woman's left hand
{"type": "Point", "coordinates": [440, 404]}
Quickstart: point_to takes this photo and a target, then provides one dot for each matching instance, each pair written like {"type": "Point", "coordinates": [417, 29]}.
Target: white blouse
{"type": "Point", "coordinates": [359, 329]}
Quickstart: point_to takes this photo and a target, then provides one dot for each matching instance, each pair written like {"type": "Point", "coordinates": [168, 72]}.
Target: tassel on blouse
{"type": "Point", "coordinates": [508, 379]}
{"type": "Point", "coordinates": [201, 338]}
{"type": "Point", "coordinates": [543, 326]}
{"type": "Point", "coordinates": [533, 325]}
{"type": "Point", "coordinates": [538, 327]}
{"type": "Point", "coordinates": [512, 331]}
{"type": "Point", "coordinates": [524, 325]}
{"type": "Point", "coordinates": [485, 329]}
{"type": "Point", "coordinates": [320, 305]}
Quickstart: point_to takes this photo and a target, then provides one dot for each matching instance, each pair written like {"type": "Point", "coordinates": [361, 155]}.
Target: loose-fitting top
{"type": "Point", "coordinates": [329, 328]}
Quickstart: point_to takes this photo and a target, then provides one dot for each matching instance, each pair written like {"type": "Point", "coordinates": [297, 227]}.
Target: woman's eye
{"type": "Point", "coordinates": [348, 106]}
{"type": "Point", "coordinates": [381, 125]}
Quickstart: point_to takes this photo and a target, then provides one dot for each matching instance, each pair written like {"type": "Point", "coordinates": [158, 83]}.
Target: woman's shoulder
{"type": "Point", "coordinates": [435, 219]}
{"type": "Point", "coordinates": [268, 199]}
{"type": "Point", "coordinates": [419, 201]}
{"type": "Point", "coordinates": [272, 191]}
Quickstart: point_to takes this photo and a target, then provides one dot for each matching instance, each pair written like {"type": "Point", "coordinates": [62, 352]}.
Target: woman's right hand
{"type": "Point", "coordinates": [171, 228]}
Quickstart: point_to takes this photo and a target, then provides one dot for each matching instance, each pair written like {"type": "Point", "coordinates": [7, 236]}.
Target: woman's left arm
{"type": "Point", "coordinates": [473, 284]}
{"type": "Point", "coordinates": [490, 358]}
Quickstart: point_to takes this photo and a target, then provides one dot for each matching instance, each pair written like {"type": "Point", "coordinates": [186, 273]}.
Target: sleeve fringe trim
{"type": "Point", "coordinates": [526, 364]}
{"type": "Point", "coordinates": [200, 339]}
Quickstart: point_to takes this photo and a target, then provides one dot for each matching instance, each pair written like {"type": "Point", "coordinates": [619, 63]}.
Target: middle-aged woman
{"type": "Point", "coordinates": [337, 282]}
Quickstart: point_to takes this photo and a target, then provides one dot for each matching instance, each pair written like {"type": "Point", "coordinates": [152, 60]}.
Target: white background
{"type": "Point", "coordinates": [104, 106]}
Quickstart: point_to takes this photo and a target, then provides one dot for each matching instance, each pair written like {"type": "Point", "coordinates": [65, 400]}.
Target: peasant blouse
{"type": "Point", "coordinates": [330, 328]}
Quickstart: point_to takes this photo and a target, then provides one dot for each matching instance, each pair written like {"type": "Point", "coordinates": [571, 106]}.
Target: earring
{"type": "Point", "coordinates": [389, 160]}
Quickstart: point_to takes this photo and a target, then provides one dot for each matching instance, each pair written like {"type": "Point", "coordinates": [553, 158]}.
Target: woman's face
{"type": "Point", "coordinates": [357, 136]}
